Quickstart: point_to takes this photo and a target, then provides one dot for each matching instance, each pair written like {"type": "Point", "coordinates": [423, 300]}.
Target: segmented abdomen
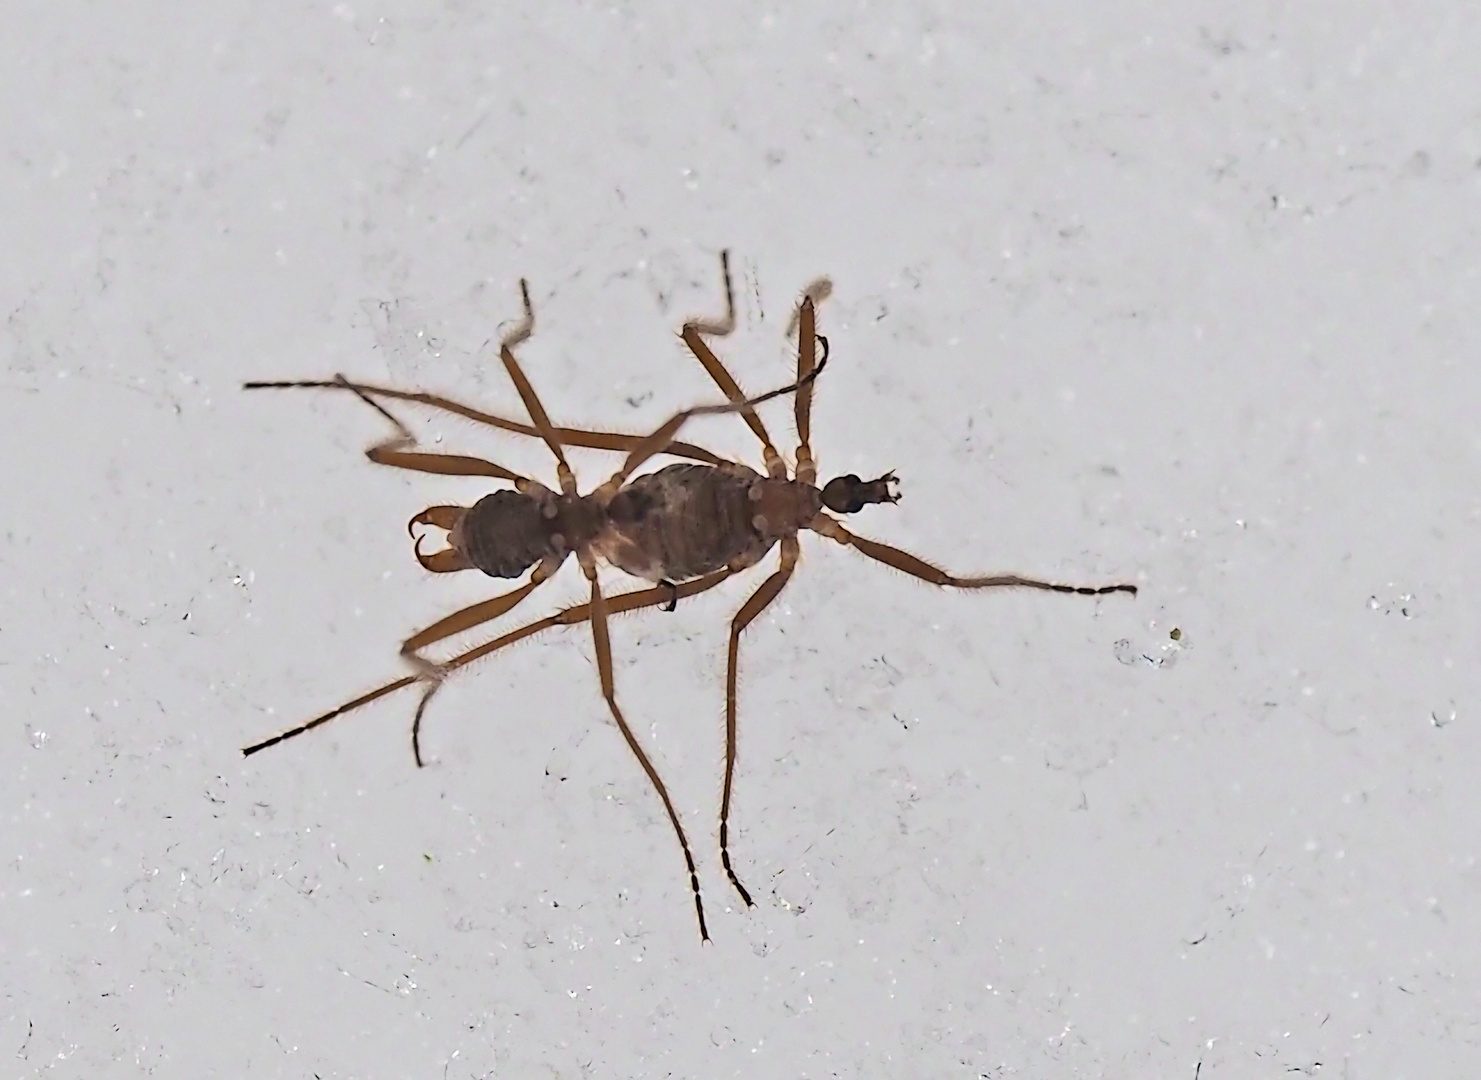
{"type": "Point", "coordinates": [683, 521]}
{"type": "Point", "coordinates": [503, 534]}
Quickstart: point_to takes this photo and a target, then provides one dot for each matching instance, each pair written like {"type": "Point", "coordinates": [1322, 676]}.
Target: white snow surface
{"type": "Point", "coordinates": [1184, 295]}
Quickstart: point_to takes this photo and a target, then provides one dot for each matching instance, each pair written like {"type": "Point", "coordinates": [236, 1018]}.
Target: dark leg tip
{"type": "Point", "coordinates": [248, 751]}
{"type": "Point", "coordinates": [741, 889]}
{"type": "Point", "coordinates": [704, 931]}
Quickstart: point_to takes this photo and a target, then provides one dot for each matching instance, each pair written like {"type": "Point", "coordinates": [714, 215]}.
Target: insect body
{"type": "Point", "coordinates": [689, 520]}
{"type": "Point", "coordinates": [686, 528]}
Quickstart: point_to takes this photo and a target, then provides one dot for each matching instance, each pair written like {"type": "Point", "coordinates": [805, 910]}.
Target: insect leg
{"type": "Point", "coordinates": [807, 347]}
{"type": "Point", "coordinates": [443, 464]}
{"type": "Point", "coordinates": [753, 607]}
{"type": "Point", "coordinates": [691, 335]}
{"type": "Point", "coordinates": [597, 440]}
{"type": "Point", "coordinates": [918, 567]}
{"type": "Point", "coordinates": [604, 668]}
{"type": "Point", "coordinates": [324, 718]}
{"type": "Point", "coordinates": [459, 621]}
{"type": "Point", "coordinates": [469, 617]}
{"type": "Point", "coordinates": [655, 442]}
{"type": "Point", "coordinates": [428, 672]}
{"type": "Point", "coordinates": [527, 392]}
{"type": "Point", "coordinates": [580, 613]}
{"type": "Point", "coordinates": [394, 451]}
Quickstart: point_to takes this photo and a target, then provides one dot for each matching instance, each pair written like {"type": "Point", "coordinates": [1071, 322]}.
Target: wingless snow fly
{"type": "Point", "coordinates": [686, 528]}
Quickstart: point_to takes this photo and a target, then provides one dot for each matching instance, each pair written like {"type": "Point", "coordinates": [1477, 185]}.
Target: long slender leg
{"type": "Point", "coordinates": [609, 691]}
{"type": "Point", "coordinates": [616, 605]}
{"type": "Point", "coordinates": [470, 616]}
{"type": "Point", "coordinates": [918, 567]}
{"type": "Point", "coordinates": [324, 718]}
{"type": "Point", "coordinates": [753, 607]}
{"type": "Point", "coordinates": [442, 464]}
{"type": "Point", "coordinates": [527, 394]}
{"type": "Point", "coordinates": [691, 335]}
{"type": "Point", "coordinates": [807, 346]}
{"type": "Point", "coordinates": [459, 621]}
{"type": "Point", "coordinates": [393, 451]}
{"type": "Point", "coordinates": [655, 442]}
{"type": "Point", "coordinates": [596, 440]}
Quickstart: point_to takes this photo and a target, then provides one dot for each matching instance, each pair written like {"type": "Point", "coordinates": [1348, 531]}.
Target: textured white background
{"type": "Point", "coordinates": [1186, 293]}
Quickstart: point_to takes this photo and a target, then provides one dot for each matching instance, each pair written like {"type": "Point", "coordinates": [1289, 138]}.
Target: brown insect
{"type": "Point", "coordinates": [686, 527]}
